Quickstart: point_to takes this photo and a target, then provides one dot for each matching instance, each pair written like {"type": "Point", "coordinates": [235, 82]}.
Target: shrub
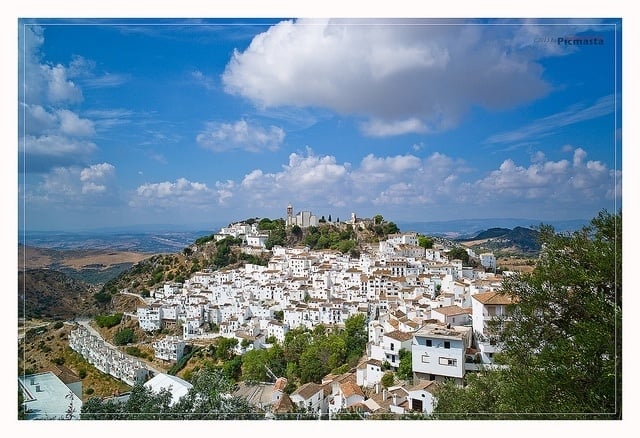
{"type": "Point", "coordinates": [124, 337]}
{"type": "Point", "coordinates": [58, 325]}
{"type": "Point", "coordinates": [108, 321]}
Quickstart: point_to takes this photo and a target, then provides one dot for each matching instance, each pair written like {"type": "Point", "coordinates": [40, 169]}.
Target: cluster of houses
{"type": "Point", "coordinates": [414, 299]}
{"type": "Point", "coordinates": [107, 358]}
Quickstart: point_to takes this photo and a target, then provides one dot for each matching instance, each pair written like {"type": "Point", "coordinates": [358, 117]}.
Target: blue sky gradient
{"type": "Point", "coordinates": [124, 122]}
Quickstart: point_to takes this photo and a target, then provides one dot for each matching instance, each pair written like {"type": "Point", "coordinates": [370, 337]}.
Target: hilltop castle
{"type": "Point", "coordinates": [303, 219]}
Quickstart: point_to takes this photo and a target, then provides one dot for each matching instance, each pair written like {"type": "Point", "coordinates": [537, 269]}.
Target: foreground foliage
{"type": "Point", "coordinates": [562, 344]}
{"type": "Point", "coordinates": [209, 399]}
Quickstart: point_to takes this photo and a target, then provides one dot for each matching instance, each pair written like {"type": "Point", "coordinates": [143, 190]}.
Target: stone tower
{"type": "Point", "coordinates": [289, 214]}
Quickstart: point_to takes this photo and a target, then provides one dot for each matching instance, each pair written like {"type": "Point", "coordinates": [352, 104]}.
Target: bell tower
{"type": "Point", "coordinates": [289, 214]}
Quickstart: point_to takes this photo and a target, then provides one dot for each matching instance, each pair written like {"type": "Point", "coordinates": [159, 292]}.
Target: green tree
{"type": "Point", "coordinates": [460, 253]}
{"type": "Point", "coordinates": [275, 360]}
{"type": "Point", "coordinates": [253, 366]}
{"type": "Point", "coordinates": [277, 235]}
{"type": "Point", "coordinates": [405, 368]}
{"type": "Point", "coordinates": [425, 242]}
{"type": "Point", "coordinates": [124, 336]}
{"type": "Point", "coordinates": [233, 368]}
{"type": "Point", "coordinates": [265, 224]}
{"type": "Point", "coordinates": [355, 335]}
{"type": "Point", "coordinates": [210, 398]}
{"type": "Point", "coordinates": [390, 228]}
{"type": "Point", "coordinates": [108, 321]}
{"type": "Point", "coordinates": [296, 231]}
{"type": "Point", "coordinates": [387, 379]}
{"type": "Point", "coordinates": [225, 347]}
{"type": "Point", "coordinates": [312, 368]}
{"type": "Point", "coordinates": [562, 340]}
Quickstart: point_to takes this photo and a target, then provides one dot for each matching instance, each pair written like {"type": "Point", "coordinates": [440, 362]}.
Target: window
{"type": "Point", "coordinates": [447, 344]}
{"type": "Point", "coordinates": [392, 346]}
{"type": "Point", "coordinates": [425, 358]}
{"type": "Point", "coordinates": [448, 361]}
{"type": "Point", "coordinates": [428, 342]}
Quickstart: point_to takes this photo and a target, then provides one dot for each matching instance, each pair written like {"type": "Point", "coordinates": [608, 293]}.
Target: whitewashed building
{"type": "Point", "coordinates": [439, 352]}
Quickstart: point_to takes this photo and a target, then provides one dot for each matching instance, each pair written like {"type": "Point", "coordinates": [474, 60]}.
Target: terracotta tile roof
{"type": "Point", "coordinates": [283, 405]}
{"type": "Point", "coordinates": [424, 385]}
{"type": "Point", "coordinates": [349, 388]}
{"type": "Point", "coordinates": [307, 390]}
{"type": "Point", "coordinates": [399, 336]}
{"type": "Point", "coordinates": [450, 310]}
{"type": "Point", "coordinates": [493, 298]}
{"type": "Point", "coordinates": [280, 384]}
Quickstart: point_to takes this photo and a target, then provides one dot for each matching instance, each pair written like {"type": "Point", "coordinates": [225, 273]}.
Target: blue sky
{"type": "Point", "coordinates": [204, 121]}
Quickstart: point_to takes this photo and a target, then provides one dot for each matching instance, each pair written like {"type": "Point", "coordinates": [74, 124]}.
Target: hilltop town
{"type": "Point", "coordinates": [413, 297]}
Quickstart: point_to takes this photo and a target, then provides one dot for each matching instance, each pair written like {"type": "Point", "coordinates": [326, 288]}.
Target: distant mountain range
{"type": "Point", "coordinates": [467, 228]}
{"type": "Point", "coordinates": [145, 242]}
{"type": "Point", "coordinates": [519, 240]}
{"type": "Point", "coordinates": [154, 239]}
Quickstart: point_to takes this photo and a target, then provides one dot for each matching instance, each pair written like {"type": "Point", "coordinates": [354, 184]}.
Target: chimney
{"type": "Point", "coordinates": [384, 394]}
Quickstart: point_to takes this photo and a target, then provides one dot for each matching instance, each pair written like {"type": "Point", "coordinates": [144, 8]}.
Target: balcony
{"type": "Point", "coordinates": [487, 347]}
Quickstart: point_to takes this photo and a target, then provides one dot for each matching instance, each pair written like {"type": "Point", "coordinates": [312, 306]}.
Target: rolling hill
{"type": "Point", "coordinates": [516, 241]}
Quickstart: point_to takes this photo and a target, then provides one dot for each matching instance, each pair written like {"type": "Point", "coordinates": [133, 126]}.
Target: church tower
{"type": "Point", "coordinates": [289, 215]}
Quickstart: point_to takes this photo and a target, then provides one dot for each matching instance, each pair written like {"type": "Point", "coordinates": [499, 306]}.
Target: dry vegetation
{"type": "Point", "coordinates": [45, 346]}
{"type": "Point", "coordinates": [33, 258]}
{"type": "Point", "coordinates": [516, 264]}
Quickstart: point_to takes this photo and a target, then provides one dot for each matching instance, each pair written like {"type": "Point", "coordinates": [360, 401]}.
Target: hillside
{"type": "Point", "coordinates": [94, 266]}
{"type": "Point", "coordinates": [45, 293]}
{"type": "Point", "coordinates": [491, 233]}
{"type": "Point", "coordinates": [207, 253]}
{"type": "Point", "coordinates": [505, 241]}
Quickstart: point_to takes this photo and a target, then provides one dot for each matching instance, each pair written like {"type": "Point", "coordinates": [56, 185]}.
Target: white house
{"type": "Point", "coordinates": [369, 373]}
{"type": "Point", "coordinates": [169, 348]}
{"type": "Point", "coordinates": [487, 306]}
{"type": "Point", "coordinates": [175, 385]}
{"type": "Point", "coordinates": [453, 315]}
{"type": "Point", "coordinates": [488, 260]}
{"type": "Point", "coordinates": [150, 317]}
{"type": "Point", "coordinates": [309, 396]}
{"type": "Point", "coordinates": [389, 349]}
{"type": "Point", "coordinates": [46, 397]}
{"type": "Point", "coordinates": [348, 394]}
{"type": "Point", "coordinates": [420, 398]}
{"type": "Point", "coordinates": [257, 240]}
{"type": "Point", "coordinates": [438, 352]}
{"type": "Point", "coordinates": [277, 330]}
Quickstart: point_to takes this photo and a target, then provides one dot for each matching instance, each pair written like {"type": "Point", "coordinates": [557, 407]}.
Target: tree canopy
{"type": "Point", "coordinates": [562, 341]}
{"type": "Point", "coordinates": [459, 253]}
{"type": "Point", "coordinates": [209, 399]}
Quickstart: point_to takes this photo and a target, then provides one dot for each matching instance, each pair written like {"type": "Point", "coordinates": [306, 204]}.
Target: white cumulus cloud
{"type": "Point", "coordinates": [97, 172]}
{"type": "Point", "coordinates": [221, 137]}
{"type": "Point", "coordinates": [401, 78]}
{"type": "Point", "coordinates": [71, 124]}
{"type": "Point", "coordinates": [180, 193]}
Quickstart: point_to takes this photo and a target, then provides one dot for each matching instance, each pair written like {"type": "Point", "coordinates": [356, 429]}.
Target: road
{"type": "Point", "coordinates": [147, 300]}
{"type": "Point", "coordinates": [85, 323]}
